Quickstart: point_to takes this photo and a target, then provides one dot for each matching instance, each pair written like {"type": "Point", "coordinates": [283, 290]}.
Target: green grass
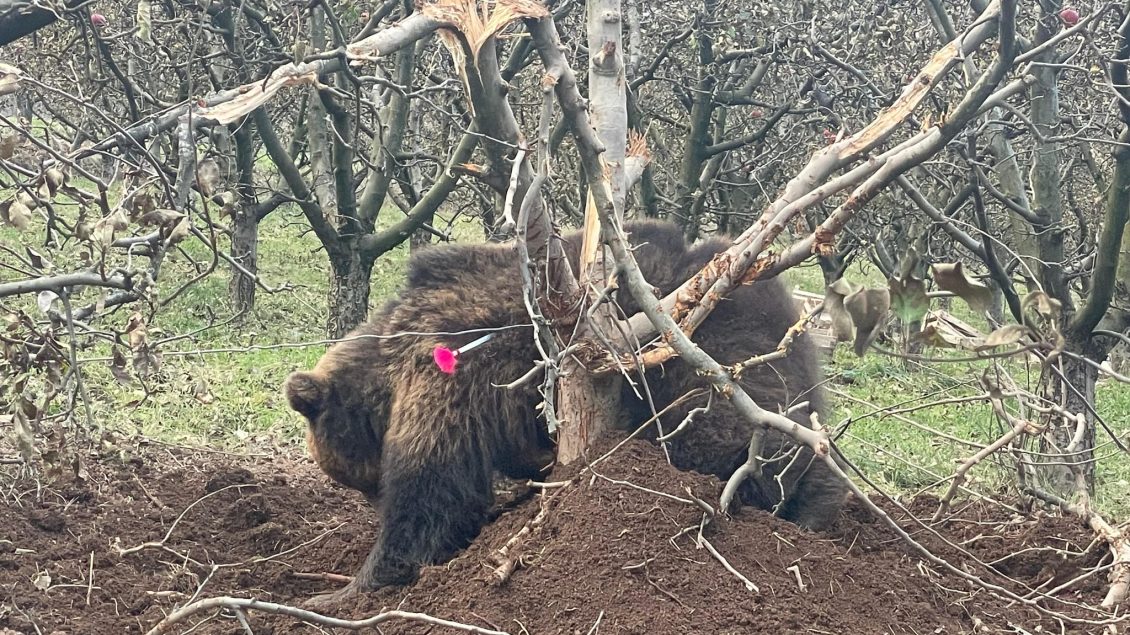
{"type": "Point", "coordinates": [916, 451]}
{"type": "Point", "coordinates": [240, 404]}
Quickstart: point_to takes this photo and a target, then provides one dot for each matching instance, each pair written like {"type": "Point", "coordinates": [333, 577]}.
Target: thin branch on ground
{"type": "Point", "coordinates": [247, 604]}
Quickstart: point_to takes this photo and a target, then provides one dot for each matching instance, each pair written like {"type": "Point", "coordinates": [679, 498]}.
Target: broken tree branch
{"type": "Point", "coordinates": [248, 604]}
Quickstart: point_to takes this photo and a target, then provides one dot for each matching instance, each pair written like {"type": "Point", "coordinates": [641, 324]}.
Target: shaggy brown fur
{"type": "Point", "coordinates": [422, 445]}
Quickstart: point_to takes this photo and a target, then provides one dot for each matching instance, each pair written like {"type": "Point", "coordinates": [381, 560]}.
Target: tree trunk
{"type": "Point", "coordinates": [1022, 239]}
{"type": "Point", "coordinates": [1074, 391]}
{"type": "Point", "coordinates": [1070, 469]}
{"type": "Point", "coordinates": [245, 224]}
{"type": "Point", "coordinates": [349, 293]}
{"type": "Point", "coordinates": [245, 251]}
{"type": "Point", "coordinates": [702, 109]}
{"type": "Point", "coordinates": [317, 132]}
{"type": "Point", "coordinates": [1044, 177]}
{"type": "Point", "coordinates": [587, 404]}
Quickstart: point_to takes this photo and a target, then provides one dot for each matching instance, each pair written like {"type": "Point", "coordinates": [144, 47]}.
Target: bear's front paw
{"type": "Point", "coordinates": [327, 600]}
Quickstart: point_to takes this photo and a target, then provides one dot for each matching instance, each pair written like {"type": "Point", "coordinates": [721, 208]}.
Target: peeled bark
{"type": "Point", "coordinates": [586, 402]}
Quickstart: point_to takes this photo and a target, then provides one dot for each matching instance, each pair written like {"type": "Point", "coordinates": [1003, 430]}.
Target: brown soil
{"type": "Point", "coordinates": [608, 558]}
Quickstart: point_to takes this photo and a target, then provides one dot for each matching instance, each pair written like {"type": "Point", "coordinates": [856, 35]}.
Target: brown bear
{"type": "Point", "coordinates": [422, 445]}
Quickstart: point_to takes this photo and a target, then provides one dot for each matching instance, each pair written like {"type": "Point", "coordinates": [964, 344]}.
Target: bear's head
{"type": "Point", "coordinates": [346, 413]}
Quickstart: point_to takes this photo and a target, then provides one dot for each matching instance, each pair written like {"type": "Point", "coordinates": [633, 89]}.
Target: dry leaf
{"type": "Point", "coordinates": [1043, 304]}
{"type": "Point", "coordinates": [27, 200]}
{"type": "Point", "coordinates": [834, 305]}
{"type": "Point", "coordinates": [1006, 335]}
{"type": "Point", "coordinates": [908, 264]}
{"type": "Point", "coordinates": [179, 231]}
{"type": "Point", "coordinates": [54, 178]}
{"type": "Point", "coordinates": [103, 231]}
{"type": "Point", "coordinates": [208, 176]}
{"type": "Point", "coordinates": [25, 436]}
{"type": "Point", "coordinates": [868, 309]}
{"type": "Point", "coordinates": [19, 216]}
{"type": "Point", "coordinates": [45, 300]}
{"type": "Point", "coordinates": [140, 203]}
{"type": "Point", "coordinates": [160, 217]}
{"type": "Point", "coordinates": [138, 333]}
{"type": "Point", "coordinates": [8, 146]}
{"type": "Point", "coordinates": [950, 277]}
{"type": "Point", "coordinates": [37, 260]}
{"type": "Point", "coordinates": [118, 367]}
{"type": "Point", "coordinates": [202, 393]}
{"type": "Point", "coordinates": [10, 77]}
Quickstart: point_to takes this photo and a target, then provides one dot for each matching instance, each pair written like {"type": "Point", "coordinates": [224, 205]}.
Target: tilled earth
{"type": "Point", "coordinates": [121, 549]}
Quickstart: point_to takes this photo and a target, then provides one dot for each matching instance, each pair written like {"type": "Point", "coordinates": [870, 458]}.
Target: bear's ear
{"type": "Point", "coordinates": [306, 393]}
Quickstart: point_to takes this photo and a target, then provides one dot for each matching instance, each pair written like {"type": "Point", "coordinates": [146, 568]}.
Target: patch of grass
{"type": "Point", "coordinates": [918, 450]}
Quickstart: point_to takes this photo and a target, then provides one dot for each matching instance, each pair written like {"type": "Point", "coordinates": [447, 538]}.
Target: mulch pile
{"type": "Point", "coordinates": [607, 557]}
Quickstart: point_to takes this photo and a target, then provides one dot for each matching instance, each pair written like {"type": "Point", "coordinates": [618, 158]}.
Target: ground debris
{"type": "Point", "coordinates": [579, 567]}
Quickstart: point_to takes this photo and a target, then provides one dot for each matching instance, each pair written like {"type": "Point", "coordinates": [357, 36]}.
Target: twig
{"type": "Point", "coordinates": [161, 543]}
{"type": "Point", "coordinates": [749, 586]}
{"type": "Point", "coordinates": [596, 625]}
{"type": "Point", "coordinates": [506, 563]}
{"type": "Point", "coordinates": [795, 570]}
{"type": "Point", "coordinates": [783, 347]}
{"type": "Point", "coordinates": [549, 485]}
{"type": "Point", "coordinates": [689, 419]}
{"type": "Point", "coordinates": [643, 426]}
{"type": "Point", "coordinates": [90, 578]}
{"type": "Point", "coordinates": [322, 577]}
{"type": "Point", "coordinates": [152, 499]}
{"type": "Point", "coordinates": [243, 621]}
{"type": "Point", "coordinates": [1018, 428]}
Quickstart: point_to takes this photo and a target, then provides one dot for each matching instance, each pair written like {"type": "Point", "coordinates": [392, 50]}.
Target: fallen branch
{"type": "Point", "coordinates": [507, 564]}
{"type": "Point", "coordinates": [336, 578]}
{"type": "Point", "coordinates": [242, 605]}
{"type": "Point", "coordinates": [1116, 540]}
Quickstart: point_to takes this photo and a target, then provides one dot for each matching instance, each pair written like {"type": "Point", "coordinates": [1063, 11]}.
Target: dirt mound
{"type": "Point", "coordinates": [618, 552]}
